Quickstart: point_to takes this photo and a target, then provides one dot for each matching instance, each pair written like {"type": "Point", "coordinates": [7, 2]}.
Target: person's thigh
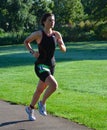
{"type": "Point", "coordinates": [51, 81]}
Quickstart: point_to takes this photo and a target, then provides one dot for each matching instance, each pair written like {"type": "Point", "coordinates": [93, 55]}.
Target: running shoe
{"type": "Point", "coordinates": [42, 109]}
{"type": "Point", "coordinates": [30, 113]}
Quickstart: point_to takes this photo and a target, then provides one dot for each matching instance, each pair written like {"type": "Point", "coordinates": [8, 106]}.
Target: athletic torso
{"type": "Point", "coordinates": [46, 49]}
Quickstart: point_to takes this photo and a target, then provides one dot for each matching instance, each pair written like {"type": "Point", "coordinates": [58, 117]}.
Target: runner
{"type": "Point", "coordinates": [47, 39]}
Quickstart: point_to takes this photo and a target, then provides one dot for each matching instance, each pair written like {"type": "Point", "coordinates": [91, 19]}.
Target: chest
{"type": "Point", "coordinates": [48, 42]}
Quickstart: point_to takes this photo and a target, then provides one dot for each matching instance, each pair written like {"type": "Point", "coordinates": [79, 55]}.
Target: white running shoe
{"type": "Point", "coordinates": [42, 109]}
{"type": "Point", "coordinates": [30, 113]}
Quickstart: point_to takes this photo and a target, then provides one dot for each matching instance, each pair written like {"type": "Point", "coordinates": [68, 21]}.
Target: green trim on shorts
{"type": "Point", "coordinates": [43, 68]}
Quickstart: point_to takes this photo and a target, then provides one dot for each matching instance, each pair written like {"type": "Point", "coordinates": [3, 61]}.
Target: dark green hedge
{"type": "Point", "coordinates": [79, 32]}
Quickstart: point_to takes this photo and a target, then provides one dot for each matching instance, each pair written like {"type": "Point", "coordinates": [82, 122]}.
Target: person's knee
{"type": "Point", "coordinates": [52, 82]}
{"type": "Point", "coordinates": [55, 85]}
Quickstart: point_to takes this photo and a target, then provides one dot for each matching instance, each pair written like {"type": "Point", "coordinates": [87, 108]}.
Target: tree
{"type": "Point", "coordinates": [17, 14]}
{"type": "Point", "coordinates": [3, 14]}
{"type": "Point", "coordinates": [20, 16]}
{"type": "Point", "coordinates": [39, 7]}
{"type": "Point", "coordinates": [68, 10]}
{"type": "Point", "coordinates": [96, 9]}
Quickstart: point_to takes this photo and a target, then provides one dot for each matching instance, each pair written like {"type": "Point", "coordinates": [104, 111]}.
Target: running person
{"type": "Point", "coordinates": [47, 40]}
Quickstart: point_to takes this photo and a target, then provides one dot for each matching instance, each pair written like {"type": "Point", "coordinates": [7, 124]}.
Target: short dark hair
{"type": "Point", "coordinates": [44, 17]}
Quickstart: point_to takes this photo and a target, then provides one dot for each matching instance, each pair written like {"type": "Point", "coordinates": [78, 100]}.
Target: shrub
{"type": "Point", "coordinates": [87, 36]}
{"type": "Point", "coordinates": [81, 25]}
{"type": "Point", "coordinates": [80, 32]}
{"type": "Point", "coordinates": [12, 38]}
{"type": "Point", "coordinates": [1, 31]}
{"type": "Point", "coordinates": [101, 30]}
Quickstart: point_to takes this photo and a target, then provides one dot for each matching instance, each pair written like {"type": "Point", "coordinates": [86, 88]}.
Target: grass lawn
{"type": "Point", "coordinates": [81, 73]}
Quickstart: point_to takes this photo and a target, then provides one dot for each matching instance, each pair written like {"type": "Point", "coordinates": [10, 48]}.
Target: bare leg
{"type": "Point", "coordinates": [40, 88]}
{"type": "Point", "coordinates": [52, 83]}
{"type": "Point", "coordinates": [30, 110]}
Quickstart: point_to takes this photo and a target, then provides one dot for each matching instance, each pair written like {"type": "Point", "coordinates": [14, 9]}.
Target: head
{"type": "Point", "coordinates": [48, 19]}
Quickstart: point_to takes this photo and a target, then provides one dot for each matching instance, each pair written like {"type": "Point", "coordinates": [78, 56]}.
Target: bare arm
{"type": "Point", "coordinates": [60, 42]}
{"type": "Point", "coordinates": [28, 40]}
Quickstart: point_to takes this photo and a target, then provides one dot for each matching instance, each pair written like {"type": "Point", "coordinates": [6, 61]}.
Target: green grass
{"type": "Point", "coordinates": [81, 74]}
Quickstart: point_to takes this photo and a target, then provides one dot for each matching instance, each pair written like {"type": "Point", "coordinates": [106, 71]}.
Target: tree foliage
{"type": "Point", "coordinates": [16, 15]}
{"type": "Point", "coordinates": [39, 7]}
{"type": "Point", "coordinates": [96, 9]}
{"type": "Point", "coordinates": [68, 10]}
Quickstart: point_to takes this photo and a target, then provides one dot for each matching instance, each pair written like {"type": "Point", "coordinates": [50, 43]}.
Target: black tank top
{"type": "Point", "coordinates": [46, 50]}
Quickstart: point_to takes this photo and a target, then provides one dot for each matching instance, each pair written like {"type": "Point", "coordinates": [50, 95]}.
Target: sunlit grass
{"type": "Point", "coordinates": [81, 74]}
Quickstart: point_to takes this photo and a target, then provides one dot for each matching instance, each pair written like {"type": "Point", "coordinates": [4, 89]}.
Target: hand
{"type": "Point", "coordinates": [36, 54]}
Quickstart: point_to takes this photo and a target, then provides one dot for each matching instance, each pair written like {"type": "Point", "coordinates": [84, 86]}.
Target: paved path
{"type": "Point", "coordinates": [13, 117]}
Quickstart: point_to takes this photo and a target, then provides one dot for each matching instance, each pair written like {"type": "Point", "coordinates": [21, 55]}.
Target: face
{"type": "Point", "coordinates": [50, 22]}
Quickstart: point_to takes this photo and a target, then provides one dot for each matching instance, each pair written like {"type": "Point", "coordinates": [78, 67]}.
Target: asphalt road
{"type": "Point", "coordinates": [14, 117]}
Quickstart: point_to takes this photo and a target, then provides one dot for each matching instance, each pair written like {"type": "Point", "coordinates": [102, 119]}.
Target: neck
{"type": "Point", "coordinates": [48, 30]}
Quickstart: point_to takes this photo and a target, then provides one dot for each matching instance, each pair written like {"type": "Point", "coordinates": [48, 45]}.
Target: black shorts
{"type": "Point", "coordinates": [43, 71]}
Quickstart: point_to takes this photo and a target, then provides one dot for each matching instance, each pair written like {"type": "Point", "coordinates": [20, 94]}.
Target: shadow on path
{"type": "Point", "coordinates": [12, 122]}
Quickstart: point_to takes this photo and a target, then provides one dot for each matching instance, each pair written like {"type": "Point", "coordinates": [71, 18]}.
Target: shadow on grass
{"type": "Point", "coordinates": [77, 54]}
{"type": "Point", "coordinates": [18, 59]}
{"type": "Point", "coordinates": [82, 51]}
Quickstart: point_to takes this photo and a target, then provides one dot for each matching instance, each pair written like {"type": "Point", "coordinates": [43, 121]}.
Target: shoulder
{"type": "Point", "coordinates": [57, 34]}
{"type": "Point", "coordinates": [36, 33]}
